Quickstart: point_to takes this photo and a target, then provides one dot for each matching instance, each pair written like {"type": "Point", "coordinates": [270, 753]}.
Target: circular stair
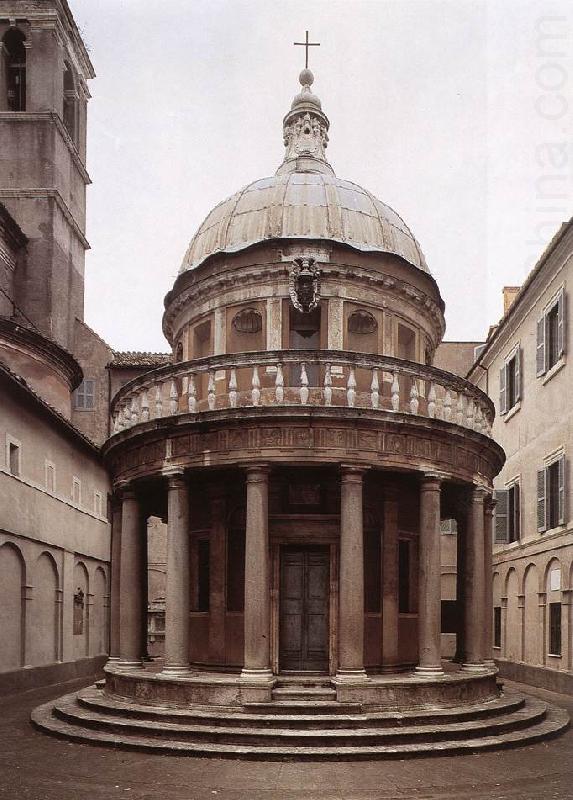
{"type": "Point", "coordinates": [299, 727]}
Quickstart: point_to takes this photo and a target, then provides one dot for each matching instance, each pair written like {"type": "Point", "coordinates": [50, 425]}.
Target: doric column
{"type": "Point", "coordinates": [429, 578]}
{"type": "Point", "coordinates": [115, 578]}
{"type": "Point", "coordinates": [461, 522]}
{"type": "Point", "coordinates": [390, 579]}
{"type": "Point", "coordinates": [475, 582]}
{"type": "Point", "coordinates": [131, 581]}
{"type": "Point", "coordinates": [217, 559]}
{"type": "Point", "coordinates": [177, 595]}
{"type": "Point", "coordinates": [257, 663]}
{"type": "Point", "coordinates": [489, 508]}
{"type": "Point", "coordinates": [351, 594]}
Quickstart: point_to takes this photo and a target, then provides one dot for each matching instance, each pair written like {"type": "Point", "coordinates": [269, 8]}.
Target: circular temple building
{"type": "Point", "coordinates": [303, 452]}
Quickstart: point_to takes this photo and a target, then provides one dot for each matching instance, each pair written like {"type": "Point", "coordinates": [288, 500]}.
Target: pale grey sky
{"type": "Point", "coordinates": [454, 112]}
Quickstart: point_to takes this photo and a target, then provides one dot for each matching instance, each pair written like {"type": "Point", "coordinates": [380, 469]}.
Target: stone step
{"type": "Point", "coordinates": [306, 694]}
{"type": "Point", "coordinates": [296, 715]}
{"type": "Point", "coordinates": [555, 721]}
{"type": "Point", "coordinates": [70, 711]}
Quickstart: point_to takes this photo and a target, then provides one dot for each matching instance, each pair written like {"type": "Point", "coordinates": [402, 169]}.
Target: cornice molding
{"type": "Point", "coordinates": [49, 194]}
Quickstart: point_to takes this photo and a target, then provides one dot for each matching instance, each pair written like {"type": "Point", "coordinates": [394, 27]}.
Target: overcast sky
{"type": "Point", "coordinates": [454, 112]}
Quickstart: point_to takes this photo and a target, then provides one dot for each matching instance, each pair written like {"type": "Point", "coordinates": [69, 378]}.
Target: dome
{"type": "Point", "coordinates": [303, 205]}
{"type": "Point", "coordinates": [304, 200]}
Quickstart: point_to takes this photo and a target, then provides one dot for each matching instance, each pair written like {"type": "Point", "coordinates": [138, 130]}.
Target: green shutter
{"type": "Point", "coordinates": [561, 515]}
{"type": "Point", "coordinates": [540, 354]}
{"type": "Point", "coordinates": [501, 515]}
{"type": "Point", "coordinates": [517, 374]}
{"type": "Point", "coordinates": [541, 500]}
{"type": "Point", "coordinates": [503, 389]}
{"type": "Point", "coordinates": [560, 324]}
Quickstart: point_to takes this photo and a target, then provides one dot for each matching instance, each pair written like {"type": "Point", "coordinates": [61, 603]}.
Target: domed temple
{"type": "Point", "coordinates": [303, 452]}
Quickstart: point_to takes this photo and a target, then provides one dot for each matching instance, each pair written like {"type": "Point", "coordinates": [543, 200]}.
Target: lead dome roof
{"type": "Point", "coordinates": [304, 200]}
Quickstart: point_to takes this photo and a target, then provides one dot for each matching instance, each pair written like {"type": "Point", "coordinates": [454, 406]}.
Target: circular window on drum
{"type": "Point", "coordinates": [362, 322]}
{"type": "Point", "coordinates": [249, 320]}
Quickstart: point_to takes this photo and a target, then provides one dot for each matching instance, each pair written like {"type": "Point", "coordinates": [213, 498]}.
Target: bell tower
{"type": "Point", "coordinates": [44, 70]}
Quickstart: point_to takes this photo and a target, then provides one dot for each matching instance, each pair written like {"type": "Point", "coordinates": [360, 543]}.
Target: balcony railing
{"type": "Point", "coordinates": [327, 378]}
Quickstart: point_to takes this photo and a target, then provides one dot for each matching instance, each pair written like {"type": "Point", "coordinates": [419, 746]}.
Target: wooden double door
{"type": "Point", "coordinates": [304, 608]}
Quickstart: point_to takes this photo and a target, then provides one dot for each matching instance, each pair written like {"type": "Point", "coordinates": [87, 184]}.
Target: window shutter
{"type": "Point", "coordinates": [516, 513]}
{"type": "Point", "coordinates": [561, 324]}
{"type": "Point", "coordinates": [540, 355]}
{"type": "Point", "coordinates": [561, 518]}
{"type": "Point", "coordinates": [541, 501]}
{"type": "Point", "coordinates": [503, 389]}
{"type": "Point", "coordinates": [501, 515]}
{"type": "Point", "coordinates": [518, 374]}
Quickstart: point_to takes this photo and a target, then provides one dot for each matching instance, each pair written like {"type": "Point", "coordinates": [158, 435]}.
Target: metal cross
{"type": "Point", "coordinates": [306, 45]}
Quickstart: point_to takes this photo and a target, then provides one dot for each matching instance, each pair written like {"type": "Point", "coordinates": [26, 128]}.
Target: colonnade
{"type": "Point", "coordinates": [128, 560]}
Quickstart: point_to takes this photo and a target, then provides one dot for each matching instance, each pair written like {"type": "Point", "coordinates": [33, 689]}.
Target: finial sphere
{"type": "Point", "coordinates": [306, 78]}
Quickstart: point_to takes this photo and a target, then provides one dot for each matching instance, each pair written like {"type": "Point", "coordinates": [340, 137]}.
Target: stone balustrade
{"type": "Point", "coordinates": [324, 378]}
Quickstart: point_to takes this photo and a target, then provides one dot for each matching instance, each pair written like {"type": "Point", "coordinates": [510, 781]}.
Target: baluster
{"type": "Point", "coordinates": [432, 401]}
{"type": "Point", "coordinates": [478, 420]}
{"type": "Point", "coordinates": [303, 384]}
{"type": "Point", "coordinates": [460, 409]}
{"type": "Point", "coordinates": [414, 402]}
{"type": "Point", "coordinates": [127, 414]}
{"type": "Point", "coordinates": [173, 404]}
{"type": "Point", "coordinates": [470, 413]}
{"type": "Point", "coordinates": [395, 390]}
{"type": "Point", "coordinates": [211, 397]}
{"type": "Point", "coordinates": [448, 406]}
{"type": "Point", "coordinates": [115, 419]}
{"type": "Point", "coordinates": [256, 387]}
{"type": "Point", "coordinates": [134, 412]}
{"type": "Point", "coordinates": [279, 385]}
{"type": "Point", "coordinates": [144, 406]}
{"type": "Point", "coordinates": [233, 388]}
{"type": "Point", "coordinates": [192, 394]}
{"type": "Point", "coordinates": [120, 420]}
{"type": "Point", "coordinates": [159, 400]}
{"type": "Point", "coordinates": [374, 387]}
{"type": "Point", "coordinates": [327, 385]}
{"type": "Point", "coordinates": [351, 387]}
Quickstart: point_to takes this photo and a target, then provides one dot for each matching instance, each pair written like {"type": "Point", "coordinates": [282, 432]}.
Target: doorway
{"type": "Point", "coordinates": [304, 608]}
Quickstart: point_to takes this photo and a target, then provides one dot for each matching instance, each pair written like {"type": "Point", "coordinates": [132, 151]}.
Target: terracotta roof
{"type": "Point", "coordinates": [18, 382]}
{"type": "Point", "coordinates": [133, 358]}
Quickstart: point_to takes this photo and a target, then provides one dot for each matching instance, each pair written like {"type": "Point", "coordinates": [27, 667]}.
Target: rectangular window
{"type": "Point", "coordinates": [204, 575]}
{"type": "Point", "coordinates": [14, 458]}
{"type": "Point", "coordinates": [510, 382]}
{"type": "Point", "coordinates": [97, 503]}
{"type": "Point", "coordinates": [84, 395]}
{"type": "Point", "coordinates": [508, 514]}
{"type": "Point", "coordinates": [555, 629]}
{"type": "Point", "coordinates": [551, 495]}
{"type": "Point", "coordinates": [404, 576]}
{"type": "Point", "coordinates": [76, 491]}
{"type": "Point", "coordinates": [551, 335]}
{"type": "Point", "coordinates": [497, 626]}
{"type": "Point", "coordinates": [50, 477]}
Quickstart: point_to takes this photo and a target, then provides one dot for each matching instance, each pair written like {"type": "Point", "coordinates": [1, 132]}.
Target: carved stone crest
{"type": "Point", "coordinates": [304, 284]}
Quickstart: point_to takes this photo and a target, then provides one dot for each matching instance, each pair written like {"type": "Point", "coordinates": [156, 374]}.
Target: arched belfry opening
{"type": "Point", "coordinates": [14, 54]}
{"type": "Point", "coordinates": [70, 102]}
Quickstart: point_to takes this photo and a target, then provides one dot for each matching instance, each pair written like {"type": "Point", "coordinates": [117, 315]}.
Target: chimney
{"type": "Point", "coordinates": [509, 295]}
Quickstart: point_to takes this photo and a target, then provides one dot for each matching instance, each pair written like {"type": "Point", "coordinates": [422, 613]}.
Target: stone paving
{"type": "Point", "coordinates": [34, 766]}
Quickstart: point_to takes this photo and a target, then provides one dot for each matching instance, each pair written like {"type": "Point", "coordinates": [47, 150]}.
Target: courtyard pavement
{"type": "Point", "coordinates": [34, 766]}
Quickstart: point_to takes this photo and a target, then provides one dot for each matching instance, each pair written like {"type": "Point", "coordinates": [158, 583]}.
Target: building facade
{"type": "Point", "coordinates": [525, 371]}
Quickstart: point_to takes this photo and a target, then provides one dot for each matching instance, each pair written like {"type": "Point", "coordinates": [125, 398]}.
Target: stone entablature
{"type": "Point", "coordinates": [317, 436]}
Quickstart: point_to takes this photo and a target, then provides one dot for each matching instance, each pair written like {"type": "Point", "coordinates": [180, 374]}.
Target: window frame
{"type": "Point", "coordinates": [497, 627]}
{"type": "Point", "coordinates": [557, 306]}
{"type": "Point", "coordinates": [555, 643]}
{"type": "Point", "coordinates": [507, 516]}
{"type": "Point", "coordinates": [11, 442]}
{"type": "Point", "coordinates": [76, 482]}
{"type": "Point", "coordinates": [49, 465]}
{"type": "Point", "coordinates": [511, 375]}
{"type": "Point", "coordinates": [546, 493]}
{"type": "Point", "coordinates": [82, 394]}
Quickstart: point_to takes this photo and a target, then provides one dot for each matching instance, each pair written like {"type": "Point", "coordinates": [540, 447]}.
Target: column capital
{"type": "Point", "coordinates": [258, 473]}
{"type": "Point", "coordinates": [490, 503]}
{"type": "Point", "coordinates": [432, 481]}
{"type": "Point", "coordinates": [125, 491]}
{"type": "Point", "coordinates": [175, 478]}
{"type": "Point", "coordinates": [352, 473]}
{"type": "Point", "coordinates": [480, 494]}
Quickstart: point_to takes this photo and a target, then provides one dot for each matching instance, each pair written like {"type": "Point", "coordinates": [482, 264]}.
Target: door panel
{"type": "Point", "coordinates": [304, 605]}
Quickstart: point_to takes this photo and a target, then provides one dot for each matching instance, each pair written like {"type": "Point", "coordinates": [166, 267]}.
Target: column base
{"type": "Point", "coordinates": [350, 676]}
{"type": "Point", "coordinates": [489, 663]}
{"type": "Point", "coordinates": [474, 666]}
{"type": "Point", "coordinates": [429, 672]}
{"type": "Point", "coordinates": [256, 685]}
{"type": "Point", "coordinates": [176, 669]}
{"type": "Point", "coordinates": [124, 664]}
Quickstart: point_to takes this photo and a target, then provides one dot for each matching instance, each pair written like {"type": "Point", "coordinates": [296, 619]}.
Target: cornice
{"type": "Point", "coordinates": [211, 286]}
{"type": "Point", "coordinates": [52, 194]}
